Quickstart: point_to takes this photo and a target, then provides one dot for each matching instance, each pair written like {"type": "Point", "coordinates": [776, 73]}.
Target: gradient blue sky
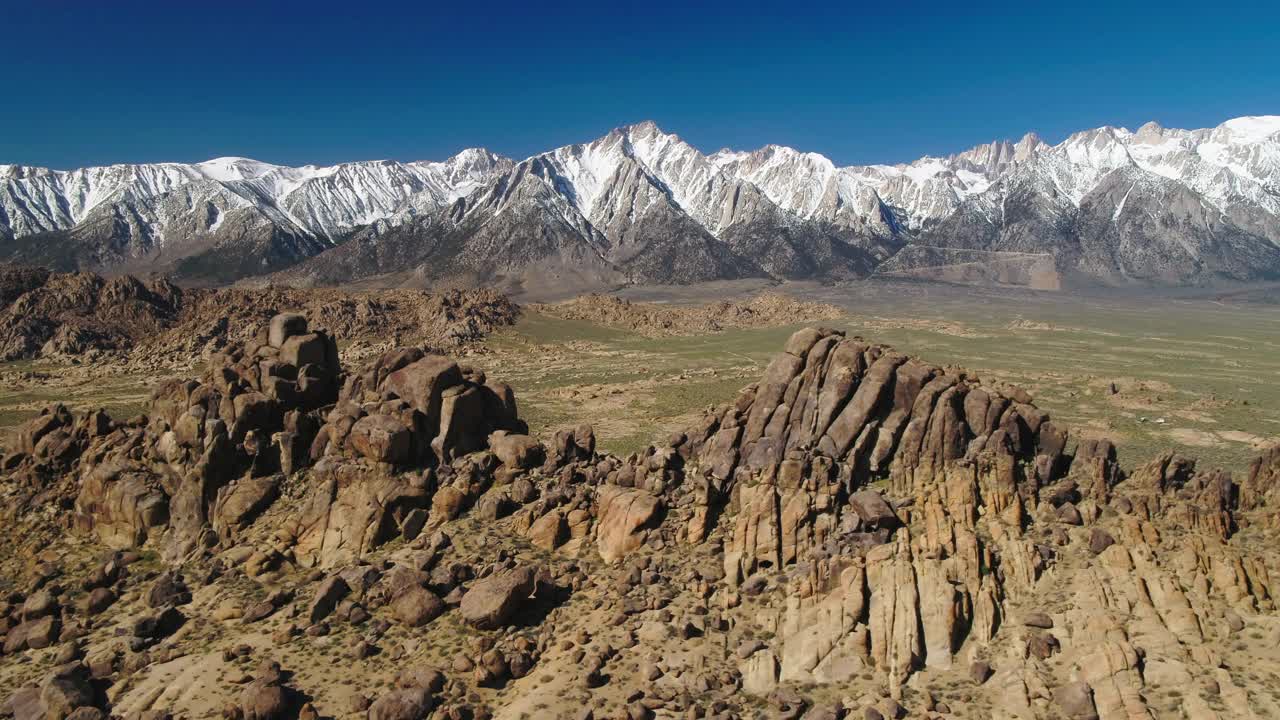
{"type": "Point", "coordinates": [318, 82]}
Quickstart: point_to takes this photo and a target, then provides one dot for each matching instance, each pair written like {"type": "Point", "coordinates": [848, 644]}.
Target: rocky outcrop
{"type": "Point", "coordinates": [663, 320]}
{"type": "Point", "coordinates": [859, 524]}
{"type": "Point", "coordinates": [211, 454]}
{"type": "Point", "coordinates": [80, 315]}
{"type": "Point", "coordinates": [908, 578]}
{"type": "Point", "coordinates": [208, 444]}
{"type": "Point", "coordinates": [1261, 489]}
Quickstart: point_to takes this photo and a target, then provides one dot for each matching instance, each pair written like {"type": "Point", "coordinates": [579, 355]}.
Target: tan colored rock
{"type": "Point", "coordinates": [308, 349]}
{"type": "Point", "coordinates": [515, 450]}
{"type": "Point", "coordinates": [549, 531]}
{"type": "Point", "coordinates": [381, 438]}
{"type": "Point", "coordinates": [121, 504]}
{"type": "Point", "coordinates": [422, 384]}
{"type": "Point", "coordinates": [1075, 701]}
{"type": "Point", "coordinates": [759, 673]}
{"type": "Point", "coordinates": [1111, 671]}
{"type": "Point", "coordinates": [416, 606]}
{"type": "Point", "coordinates": [940, 613]}
{"type": "Point", "coordinates": [403, 704]}
{"type": "Point", "coordinates": [896, 644]}
{"type": "Point", "coordinates": [238, 503]}
{"type": "Point", "coordinates": [446, 505]}
{"type": "Point", "coordinates": [625, 517]}
{"type": "Point", "coordinates": [819, 640]}
{"type": "Point", "coordinates": [350, 510]}
{"type": "Point", "coordinates": [262, 700]}
{"type": "Point", "coordinates": [489, 602]}
{"type": "Point", "coordinates": [872, 509]}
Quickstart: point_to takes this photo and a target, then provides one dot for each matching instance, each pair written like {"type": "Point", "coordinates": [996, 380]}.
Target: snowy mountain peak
{"type": "Point", "coordinates": [1253, 129]}
{"type": "Point", "coordinates": [230, 169]}
{"type": "Point", "coordinates": [638, 173]}
{"type": "Point", "coordinates": [1028, 144]}
{"type": "Point", "coordinates": [640, 129]}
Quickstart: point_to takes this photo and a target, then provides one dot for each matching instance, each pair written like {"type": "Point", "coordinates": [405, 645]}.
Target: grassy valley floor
{"type": "Point", "coordinates": [1193, 374]}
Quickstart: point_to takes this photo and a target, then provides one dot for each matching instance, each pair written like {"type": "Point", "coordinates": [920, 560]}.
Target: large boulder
{"type": "Point", "coordinates": [516, 451]}
{"type": "Point", "coordinates": [417, 606]}
{"type": "Point", "coordinates": [168, 589]}
{"type": "Point", "coordinates": [490, 602]}
{"type": "Point", "coordinates": [303, 350]}
{"type": "Point", "coordinates": [39, 604]}
{"type": "Point", "coordinates": [285, 326]}
{"type": "Point", "coordinates": [65, 690]}
{"type": "Point", "coordinates": [464, 422]}
{"type": "Point", "coordinates": [382, 438]}
{"type": "Point", "coordinates": [33, 634]}
{"type": "Point", "coordinates": [23, 704]}
{"type": "Point", "coordinates": [351, 509]}
{"type": "Point", "coordinates": [626, 515]}
{"type": "Point", "coordinates": [422, 384]}
{"type": "Point", "coordinates": [330, 592]}
{"type": "Point", "coordinates": [238, 503]}
{"type": "Point", "coordinates": [872, 510]}
{"type": "Point", "coordinates": [264, 700]}
{"type": "Point", "coordinates": [406, 704]}
{"type": "Point", "coordinates": [121, 503]}
{"type": "Point", "coordinates": [549, 531]}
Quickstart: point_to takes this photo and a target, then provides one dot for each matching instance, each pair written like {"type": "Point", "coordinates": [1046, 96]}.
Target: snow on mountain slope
{"type": "Point", "coordinates": [1237, 162]}
{"type": "Point", "coordinates": [325, 201]}
{"type": "Point", "coordinates": [799, 210]}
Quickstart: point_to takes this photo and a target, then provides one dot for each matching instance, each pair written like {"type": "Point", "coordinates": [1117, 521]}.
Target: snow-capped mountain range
{"type": "Point", "coordinates": [1154, 205]}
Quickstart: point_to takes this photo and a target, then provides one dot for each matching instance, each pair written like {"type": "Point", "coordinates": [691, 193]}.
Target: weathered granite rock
{"type": "Point", "coordinates": [490, 602]}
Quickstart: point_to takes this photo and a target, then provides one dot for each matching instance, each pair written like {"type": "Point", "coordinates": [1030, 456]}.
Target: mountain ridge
{"type": "Point", "coordinates": [772, 212]}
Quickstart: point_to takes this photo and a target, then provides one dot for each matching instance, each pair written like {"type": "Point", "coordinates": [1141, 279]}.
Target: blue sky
{"type": "Point", "coordinates": [101, 82]}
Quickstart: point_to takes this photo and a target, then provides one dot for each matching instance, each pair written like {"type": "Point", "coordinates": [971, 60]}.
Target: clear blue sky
{"type": "Point", "coordinates": [100, 82]}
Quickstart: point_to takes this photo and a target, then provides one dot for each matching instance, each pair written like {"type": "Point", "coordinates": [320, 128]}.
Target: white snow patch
{"type": "Point", "coordinates": [231, 169]}
{"type": "Point", "coordinates": [1253, 129]}
{"type": "Point", "coordinates": [1115, 216]}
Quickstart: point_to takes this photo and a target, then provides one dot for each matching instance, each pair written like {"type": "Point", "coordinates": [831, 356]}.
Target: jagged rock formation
{"type": "Point", "coordinates": [858, 532]}
{"type": "Point", "coordinates": [369, 322]}
{"type": "Point", "coordinates": [78, 314]}
{"type": "Point", "coordinates": [986, 510]}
